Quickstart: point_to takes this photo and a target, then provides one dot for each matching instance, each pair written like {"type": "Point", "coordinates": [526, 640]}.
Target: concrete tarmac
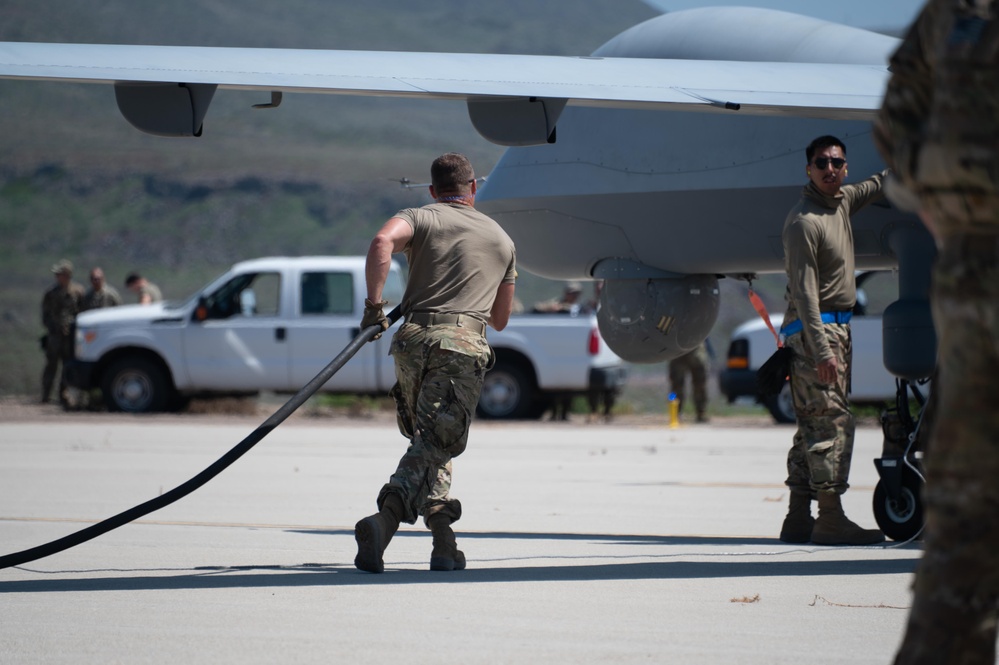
{"type": "Point", "coordinates": [627, 542]}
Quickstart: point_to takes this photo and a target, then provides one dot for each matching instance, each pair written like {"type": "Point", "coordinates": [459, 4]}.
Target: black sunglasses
{"type": "Point", "coordinates": [822, 162]}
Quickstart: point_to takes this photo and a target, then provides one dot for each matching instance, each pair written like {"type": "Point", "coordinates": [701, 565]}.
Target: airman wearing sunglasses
{"type": "Point", "coordinates": [821, 293]}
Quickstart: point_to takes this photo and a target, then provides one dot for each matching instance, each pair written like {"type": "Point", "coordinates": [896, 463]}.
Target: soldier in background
{"type": "Point", "coordinates": [939, 129]}
{"type": "Point", "coordinates": [146, 291]}
{"type": "Point", "coordinates": [568, 304]}
{"type": "Point", "coordinates": [60, 305]}
{"type": "Point", "coordinates": [100, 294]}
{"type": "Point", "coordinates": [695, 363]}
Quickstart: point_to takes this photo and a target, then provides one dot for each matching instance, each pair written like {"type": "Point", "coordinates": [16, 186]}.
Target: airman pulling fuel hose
{"type": "Point", "coordinates": [299, 398]}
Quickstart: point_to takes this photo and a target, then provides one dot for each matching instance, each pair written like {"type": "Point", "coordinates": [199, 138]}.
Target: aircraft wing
{"type": "Point", "coordinates": [498, 88]}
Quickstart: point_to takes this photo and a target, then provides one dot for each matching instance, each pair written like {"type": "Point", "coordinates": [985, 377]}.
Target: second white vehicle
{"type": "Point", "coordinates": [752, 343]}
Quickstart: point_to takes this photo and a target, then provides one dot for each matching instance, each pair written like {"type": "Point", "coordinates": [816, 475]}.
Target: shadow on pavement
{"type": "Point", "coordinates": [556, 568]}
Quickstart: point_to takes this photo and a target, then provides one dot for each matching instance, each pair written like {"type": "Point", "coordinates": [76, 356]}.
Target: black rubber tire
{"type": "Point", "coordinates": [136, 385]}
{"type": "Point", "coordinates": [900, 520]}
{"type": "Point", "coordinates": [780, 406]}
{"type": "Point", "coordinates": [507, 393]}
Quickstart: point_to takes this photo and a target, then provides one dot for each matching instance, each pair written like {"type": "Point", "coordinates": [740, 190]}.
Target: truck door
{"type": "Point", "coordinates": [326, 323]}
{"type": "Point", "coordinates": [237, 339]}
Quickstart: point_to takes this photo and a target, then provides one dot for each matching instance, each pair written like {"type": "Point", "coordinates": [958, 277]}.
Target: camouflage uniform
{"type": "Point", "coordinates": [696, 364]}
{"type": "Point", "coordinates": [107, 296]}
{"type": "Point", "coordinates": [440, 365]}
{"type": "Point", "coordinates": [939, 127]}
{"type": "Point", "coordinates": [820, 454]}
{"type": "Point", "coordinates": [439, 371]}
{"type": "Point", "coordinates": [462, 271]}
{"type": "Point", "coordinates": [59, 309]}
{"type": "Point", "coordinates": [152, 291]}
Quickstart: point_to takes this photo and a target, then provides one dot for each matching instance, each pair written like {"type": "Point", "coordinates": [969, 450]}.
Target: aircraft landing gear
{"type": "Point", "coordinates": [898, 505]}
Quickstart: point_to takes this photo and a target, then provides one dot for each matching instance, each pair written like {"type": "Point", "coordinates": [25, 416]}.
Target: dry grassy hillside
{"type": "Point", "coordinates": [316, 175]}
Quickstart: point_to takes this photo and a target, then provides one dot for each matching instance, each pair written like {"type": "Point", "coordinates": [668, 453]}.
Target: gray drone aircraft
{"type": "Point", "coordinates": [663, 162]}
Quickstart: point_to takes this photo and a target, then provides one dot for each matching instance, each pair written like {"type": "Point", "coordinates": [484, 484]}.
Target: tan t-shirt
{"type": "Point", "coordinates": [458, 257]}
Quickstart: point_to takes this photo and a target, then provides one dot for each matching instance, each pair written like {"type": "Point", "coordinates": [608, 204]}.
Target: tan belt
{"type": "Point", "coordinates": [437, 319]}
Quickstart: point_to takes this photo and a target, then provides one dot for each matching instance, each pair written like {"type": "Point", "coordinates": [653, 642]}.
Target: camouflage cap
{"type": "Point", "coordinates": [63, 266]}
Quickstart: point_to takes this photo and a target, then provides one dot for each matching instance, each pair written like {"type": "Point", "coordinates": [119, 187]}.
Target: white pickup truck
{"type": "Point", "coordinates": [273, 323]}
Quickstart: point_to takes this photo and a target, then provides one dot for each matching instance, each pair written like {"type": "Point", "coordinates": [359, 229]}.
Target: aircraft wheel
{"type": "Point", "coordinates": [781, 406]}
{"type": "Point", "coordinates": [900, 519]}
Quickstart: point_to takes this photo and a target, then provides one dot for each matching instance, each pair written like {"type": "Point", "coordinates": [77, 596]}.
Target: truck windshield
{"type": "Point", "coordinates": [191, 299]}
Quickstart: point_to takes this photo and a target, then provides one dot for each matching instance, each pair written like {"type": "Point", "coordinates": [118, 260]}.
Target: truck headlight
{"type": "Point", "coordinates": [84, 336]}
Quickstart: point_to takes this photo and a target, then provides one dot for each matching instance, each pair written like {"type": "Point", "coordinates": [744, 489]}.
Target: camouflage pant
{"type": "Point", "coordinates": [819, 459]}
{"type": "Point", "coordinates": [956, 589]}
{"type": "Point", "coordinates": [439, 372]}
{"type": "Point", "coordinates": [58, 350]}
{"type": "Point", "coordinates": [696, 364]}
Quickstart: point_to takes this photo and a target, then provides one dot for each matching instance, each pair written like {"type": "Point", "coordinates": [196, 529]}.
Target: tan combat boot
{"type": "Point", "coordinates": [833, 528]}
{"type": "Point", "coordinates": [797, 527]}
{"type": "Point", "coordinates": [374, 532]}
{"type": "Point", "coordinates": [446, 555]}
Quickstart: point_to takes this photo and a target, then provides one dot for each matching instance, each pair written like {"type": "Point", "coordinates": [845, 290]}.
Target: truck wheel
{"type": "Point", "coordinates": [507, 393]}
{"type": "Point", "coordinates": [135, 385]}
{"type": "Point", "coordinates": [781, 406]}
{"type": "Point", "coordinates": [900, 519]}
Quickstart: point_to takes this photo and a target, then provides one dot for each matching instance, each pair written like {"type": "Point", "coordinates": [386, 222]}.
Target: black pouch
{"type": "Point", "coordinates": [770, 377]}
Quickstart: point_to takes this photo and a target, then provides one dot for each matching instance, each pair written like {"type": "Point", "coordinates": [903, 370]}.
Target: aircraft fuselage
{"type": "Point", "coordinates": [662, 204]}
{"type": "Point", "coordinates": [685, 192]}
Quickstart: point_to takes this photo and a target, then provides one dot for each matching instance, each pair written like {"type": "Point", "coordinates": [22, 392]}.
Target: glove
{"type": "Point", "coordinates": [374, 316]}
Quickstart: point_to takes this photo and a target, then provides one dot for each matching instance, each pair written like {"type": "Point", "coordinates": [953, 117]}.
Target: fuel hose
{"type": "Point", "coordinates": [265, 428]}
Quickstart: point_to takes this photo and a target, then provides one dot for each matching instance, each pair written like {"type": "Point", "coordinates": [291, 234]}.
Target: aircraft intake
{"type": "Point", "coordinates": [653, 320]}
